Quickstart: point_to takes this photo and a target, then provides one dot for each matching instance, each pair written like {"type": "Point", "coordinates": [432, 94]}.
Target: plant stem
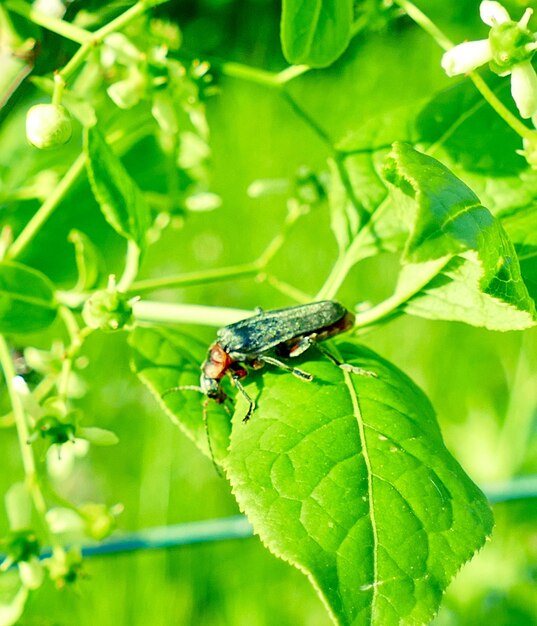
{"type": "Point", "coordinates": [511, 120]}
{"type": "Point", "coordinates": [389, 307]}
{"type": "Point", "coordinates": [47, 208]}
{"type": "Point", "coordinates": [150, 311]}
{"type": "Point", "coordinates": [54, 24]}
{"type": "Point", "coordinates": [290, 73]}
{"type": "Point", "coordinates": [194, 278]}
{"type": "Point", "coordinates": [121, 20]}
{"type": "Point", "coordinates": [250, 74]}
{"type": "Point", "coordinates": [23, 432]}
{"type": "Point", "coordinates": [130, 270]}
{"type": "Point", "coordinates": [425, 23]}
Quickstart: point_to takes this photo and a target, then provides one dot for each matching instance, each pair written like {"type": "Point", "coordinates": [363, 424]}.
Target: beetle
{"type": "Point", "coordinates": [267, 337]}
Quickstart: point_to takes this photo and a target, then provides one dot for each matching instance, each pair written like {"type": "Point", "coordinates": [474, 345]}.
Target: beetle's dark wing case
{"type": "Point", "coordinates": [262, 332]}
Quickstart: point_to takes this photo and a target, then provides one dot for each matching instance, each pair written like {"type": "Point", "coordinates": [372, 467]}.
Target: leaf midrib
{"type": "Point", "coordinates": [361, 429]}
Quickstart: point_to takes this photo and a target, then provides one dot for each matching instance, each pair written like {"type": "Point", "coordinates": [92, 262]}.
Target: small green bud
{"type": "Point", "coordinates": [308, 187]}
{"type": "Point", "coordinates": [21, 545]}
{"type": "Point", "coordinates": [99, 520]}
{"type": "Point", "coordinates": [530, 150]}
{"type": "Point", "coordinates": [64, 566]}
{"type": "Point", "coordinates": [107, 310]}
{"type": "Point", "coordinates": [510, 44]}
{"type": "Point", "coordinates": [50, 427]}
{"type": "Point", "coordinates": [48, 126]}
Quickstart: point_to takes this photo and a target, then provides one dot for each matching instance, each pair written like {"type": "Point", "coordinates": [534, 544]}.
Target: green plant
{"type": "Point", "coordinates": [348, 477]}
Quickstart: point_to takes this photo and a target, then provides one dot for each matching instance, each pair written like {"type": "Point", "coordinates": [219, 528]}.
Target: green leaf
{"type": "Point", "coordinates": [347, 478]}
{"type": "Point", "coordinates": [317, 32]}
{"type": "Point", "coordinates": [465, 128]}
{"type": "Point", "coordinates": [480, 148]}
{"type": "Point", "coordinates": [163, 359]}
{"type": "Point", "coordinates": [357, 189]}
{"type": "Point", "coordinates": [98, 436]}
{"type": "Point", "coordinates": [121, 201]}
{"type": "Point", "coordinates": [88, 260]}
{"type": "Point", "coordinates": [27, 302]}
{"type": "Point", "coordinates": [482, 285]}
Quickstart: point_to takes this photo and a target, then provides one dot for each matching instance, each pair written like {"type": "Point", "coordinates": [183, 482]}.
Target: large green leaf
{"type": "Point", "coordinates": [348, 479]}
{"type": "Point", "coordinates": [121, 201]}
{"type": "Point", "coordinates": [316, 32]}
{"type": "Point", "coordinates": [27, 302]}
{"type": "Point", "coordinates": [163, 359]}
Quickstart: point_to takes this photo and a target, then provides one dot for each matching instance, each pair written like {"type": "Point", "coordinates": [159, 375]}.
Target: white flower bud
{"type": "Point", "coordinates": [524, 88]}
{"type": "Point", "coordinates": [48, 125]}
{"type": "Point", "coordinates": [466, 57]}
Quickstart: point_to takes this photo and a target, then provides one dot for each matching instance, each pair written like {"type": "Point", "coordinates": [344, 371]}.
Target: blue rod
{"type": "Point", "coordinates": [238, 527]}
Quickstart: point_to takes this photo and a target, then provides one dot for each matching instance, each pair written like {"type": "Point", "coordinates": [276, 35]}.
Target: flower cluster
{"type": "Point", "coordinates": [508, 50]}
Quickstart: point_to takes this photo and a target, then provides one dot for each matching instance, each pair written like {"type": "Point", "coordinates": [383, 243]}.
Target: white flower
{"type": "Point", "coordinates": [524, 88]}
{"type": "Point", "coordinates": [466, 57]}
{"type": "Point", "coordinates": [493, 13]}
{"type": "Point", "coordinates": [508, 50]}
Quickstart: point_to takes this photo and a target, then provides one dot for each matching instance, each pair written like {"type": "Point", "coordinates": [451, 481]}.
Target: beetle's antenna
{"type": "Point", "coordinates": [207, 434]}
{"type": "Point", "coordinates": [182, 388]}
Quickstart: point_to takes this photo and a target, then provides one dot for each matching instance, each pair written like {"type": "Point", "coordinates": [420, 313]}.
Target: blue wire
{"type": "Point", "coordinates": [238, 527]}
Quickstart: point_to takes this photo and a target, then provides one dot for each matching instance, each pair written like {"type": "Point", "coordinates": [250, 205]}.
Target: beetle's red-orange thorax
{"type": "Point", "coordinates": [217, 362]}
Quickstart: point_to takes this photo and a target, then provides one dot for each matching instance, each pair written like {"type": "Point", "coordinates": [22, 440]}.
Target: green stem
{"type": "Point", "coordinates": [75, 343]}
{"type": "Point", "coordinates": [55, 25]}
{"type": "Point", "coordinates": [290, 73]}
{"type": "Point", "coordinates": [132, 264]}
{"type": "Point", "coordinates": [389, 307]}
{"type": "Point", "coordinates": [425, 23]}
{"type": "Point", "coordinates": [149, 311]}
{"type": "Point", "coordinates": [23, 432]}
{"type": "Point", "coordinates": [194, 278]}
{"type": "Point", "coordinates": [121, 20]}
{"type": "Point", "coordinates": [511, 120]}
{"type": "Point", "coordinates": [47, 208]}
{"type": "Point", "coordinates": [250, 74]}
{"type": "Point", "coordinates": [286, 289]}
{"type": "Point", "coordinates": [309, 120]}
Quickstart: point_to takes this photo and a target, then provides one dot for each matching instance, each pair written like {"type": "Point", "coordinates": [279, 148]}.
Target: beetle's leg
{"type": "Point", "coordinates": [344, 366]}
{"type": "Point", "coordinates": [251, 404]}
{"type": "Point", "coordinates": [258, 310]}
{"type": "Point", "coordinates": [294, 370]}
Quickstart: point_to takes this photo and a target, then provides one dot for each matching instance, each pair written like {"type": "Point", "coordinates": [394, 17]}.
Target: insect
{"type": "Point", "coordinates": [267, 337]}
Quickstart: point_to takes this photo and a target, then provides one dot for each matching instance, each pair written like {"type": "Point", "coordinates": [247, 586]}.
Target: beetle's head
{"type": "Point", "coordinates": [210, 387]}
{"type": "Point", "coordinates": [213, 370]}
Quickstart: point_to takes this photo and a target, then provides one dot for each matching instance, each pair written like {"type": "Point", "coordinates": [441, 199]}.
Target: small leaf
{"type": "Point", "coordinates": [18, 507]}
{"type": "Point", "coordinates": [27, 302]}
{"type": "Point", "coordinates": [121, 201]}
{"type": "Point", "coordinates": [88, 260]}
{"type": "Point", "coordinates": [348, 479]}
{"type": "Point", "coordinates": [164, 359]}
{"type": "Point", "coordinates": [98, 436]}
{"type": "Point", "coordinates": [11, 610]}
{"type": "Point", "coordinates": [482, 285]}
{"type": "Point", "coordinates": [316, 32]}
